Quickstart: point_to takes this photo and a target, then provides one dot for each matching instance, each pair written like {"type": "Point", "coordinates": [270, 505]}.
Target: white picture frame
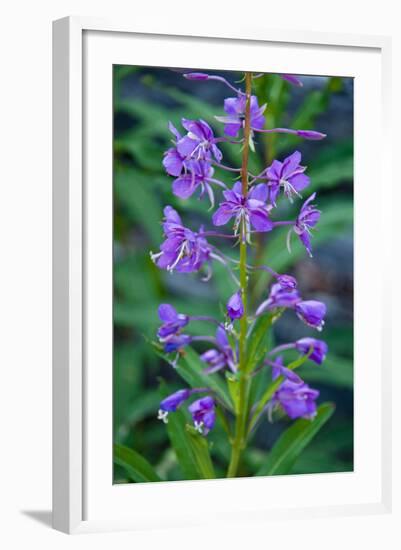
{"type": "Point", "coordinates": [80, 45]}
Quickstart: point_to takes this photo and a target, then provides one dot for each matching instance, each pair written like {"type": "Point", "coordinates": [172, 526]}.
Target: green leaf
{"type": "Point", "coordinates": [191, 449]}
{"type": "Point", "coordinates": [293, 441]}
{"type": "Point", "coordinates": [136, 466]}
{"type": "Point", "coordinates": [331, 174]}
{"type": "Point", "coordinates": [134, 190]}
{"type": "Point", "coordinates": [258, 341]}
{"type": "Point", "coordinates": [233, 388]}
{"type": "Point", "coordinates": [268, 394]}
{"type": "Point", "coordinates": [182, 445]}
{"type": "Point", "coordinates": [200, 448]}
{"type": "Point", "coordinates": [335, 371]}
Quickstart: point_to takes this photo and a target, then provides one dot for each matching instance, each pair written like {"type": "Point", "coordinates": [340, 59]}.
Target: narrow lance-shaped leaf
{"type": "Point", "coordinates": [136, 466]}
{"type": "Point", "coordinates": [200, 446]}
{"type": "Point", "coordinates": [293, 441]}
{"type": "Point", "coordinates": [258, 340]}
{"type": "Point", "coordinates": [191, 448]}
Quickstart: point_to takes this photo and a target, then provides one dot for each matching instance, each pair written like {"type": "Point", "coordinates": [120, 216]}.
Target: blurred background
{"type": "Point", "coordinates": [145, 99]}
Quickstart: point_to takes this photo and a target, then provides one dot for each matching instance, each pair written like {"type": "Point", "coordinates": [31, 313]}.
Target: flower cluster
{"type": "Point", "coordinates": [202, 410]}
{"type": "Point", "coordinates": [191, 159]}
{"type": "Point", "coordinates": [294, 396]}
{"type": "Point", "coordinates": [183, 250]}
{"type": "Point", "coordinates": [246, 208]}
{"type": "Point", "coordinates": [311, 312]}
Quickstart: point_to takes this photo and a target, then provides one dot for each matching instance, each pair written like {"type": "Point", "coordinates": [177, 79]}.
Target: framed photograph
{"type": "Point", "coordinates": [219, 325]}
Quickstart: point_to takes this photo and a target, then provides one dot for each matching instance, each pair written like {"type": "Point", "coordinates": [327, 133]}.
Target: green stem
{"type": "Point", "coordinates": [238, 443]}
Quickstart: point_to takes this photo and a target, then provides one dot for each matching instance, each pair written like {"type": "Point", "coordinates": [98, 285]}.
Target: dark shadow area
{"type": "Point", "coordinates": [41, 516]}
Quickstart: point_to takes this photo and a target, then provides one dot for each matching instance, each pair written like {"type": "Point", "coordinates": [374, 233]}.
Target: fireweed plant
{"type": "Point", "coordinates": [239, 341]}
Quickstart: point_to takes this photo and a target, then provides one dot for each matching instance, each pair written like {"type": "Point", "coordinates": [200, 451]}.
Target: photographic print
{"type": "Point", "coordinates": [232, 274]}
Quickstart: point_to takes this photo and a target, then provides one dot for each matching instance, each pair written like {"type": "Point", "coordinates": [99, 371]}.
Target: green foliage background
{"type": "Point", "coordinates": [145, 99]}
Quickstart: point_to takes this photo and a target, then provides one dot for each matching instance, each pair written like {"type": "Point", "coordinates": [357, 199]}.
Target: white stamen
{"type": "Point", "coordinates": [198, 426]}
{"type": "Point", "coordinates": [270, 409]}
{"type": "Point", "coordinates": [154, 257]}
{"type": "Point", "coordinates": [289, 190]}
{"type": "Point", "coordinates": [210, 193]}
{"type": "Point", "coordinates": [184, 249]}
{"type": "Point", "coordinates": [162, 415]}
{"type": "Point", "coordinates": [208, 274]}
{"type": "Point", "coordinates": [229, 327]}
{"type": "Point", "coordinates": [289, 241]}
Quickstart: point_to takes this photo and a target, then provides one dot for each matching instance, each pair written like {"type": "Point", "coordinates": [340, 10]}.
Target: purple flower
{"type": "Point", "coordinates": [217, 359]}
{"type": "Point", "coordinates": [176, 342]}
{"type": "Point", "coordinates": [294, 396]}
{"type": "Point", "coordinates": [173, 322]}
{"type": "Point", "coordinates": [172, 402]}
{"type": "Point", "coordinates": [291, 79]}
{"type": "Point", "coordinates": [319, 349]}
{"type": "Point", "coordinates": [199, 142]}
{"type": "Point", "coordinates": [312, 313]}
{"type": "Point", "coordinates": [297, 400]}
{"type": "Point", "coordinates": [199, 174]}
{"type": "Point", "coordinates": [204, 76]}
{"type": "Point", "coordinates": [173, 161]}
{"type": "Point", "coordinates": [279, 297]}
{"type": "Point", "coordinates": [196, 76]}
{"type": "Point", "coordinates": [175, 400]}
{"type": "Point", "coordinates": [289, 175]}
{"type": "Point", "coordinates": [235, 109]}
{"type": "Point", "coordinates": [287, 282]}
{"type": "Point", "coordinates": [183, 250]}
{"type": "Point", "coordinates": [251, 209]}
{"type": "Point", "coordinates": [280, 370]}
{"type": "Point", "coordinates": [306, 134]}
{"type": "Point", "coordinates": [235, 307]}
{"type": "Point", "coordinates": [306, 220]}
{"type": "Point", "coordinates": [310, 134]}
{"type": "Point", "coordinates": [203, 414]}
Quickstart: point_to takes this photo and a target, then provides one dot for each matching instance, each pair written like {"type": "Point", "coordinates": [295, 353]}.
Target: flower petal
{"type": "Point", "coordinates": [222, 215]}
{"type": "Point", "coordinates": [167, 313]}
{"type": "Point", "coordinates": [306, 241]}
{"type": "Point", "coordinates": [290, 164]}
{"type": "Point", "coordinates": [221, 337]}
{"type": "Point", "coordinates": [173, 162]}
{"type": "Point", "coordinates": [260, 220]}
{"type": "Point", "coordinates": [174, 130]}
{"type": "Point", "coordinates": [171, 215]}
{"type": "Point", "coordinates": [259, 192]}
{"type": "Point", "coordinates": [185, 186]}
{"type": "Point", "coordinates": [291, 79]}
{"type": "Point", "coordinates": [232, 129]}
{"type": "Point", "coordinates": [300, 181]}
{"type": "Point", "coordinates": [233, 105]}
{"type": "Point", "coordinates": [186, 146]}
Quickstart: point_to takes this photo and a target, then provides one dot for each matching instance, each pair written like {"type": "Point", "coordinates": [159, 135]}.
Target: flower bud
{"type": "Point", "coordinates": [310, 134]}
{"type": "Point", "coordinates": [319, 349]}
{"type": "Point", "coordinates": [196, 76]}
{"type": "Point", "coordinates": [235, 306]}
